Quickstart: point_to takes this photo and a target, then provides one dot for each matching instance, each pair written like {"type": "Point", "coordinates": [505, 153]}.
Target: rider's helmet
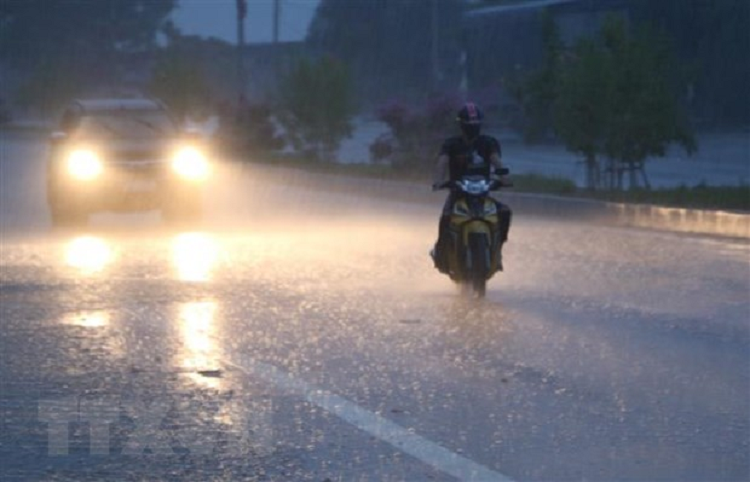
{"type": "Point", "coordinates": [470, 120]}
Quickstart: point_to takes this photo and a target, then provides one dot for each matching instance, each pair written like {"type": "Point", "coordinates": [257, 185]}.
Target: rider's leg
{"type": "Point", "coordinates": [440, 253]}
{"type": "Point", "coordinates": [505, 215]}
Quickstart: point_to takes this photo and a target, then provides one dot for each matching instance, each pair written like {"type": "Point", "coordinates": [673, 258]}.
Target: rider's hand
{"type": "Point", "coordinates": [436, 186]}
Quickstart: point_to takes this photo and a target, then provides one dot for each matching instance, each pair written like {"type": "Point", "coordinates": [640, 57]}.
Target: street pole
{"type": "Point", "coordinates": [275, 47]}
{"type": "Point", "coordinates": [276, 20]}
{"type": "Point", "coordinates": [436, 74]}
{"type": "Point", "coordinates": [241, 77]}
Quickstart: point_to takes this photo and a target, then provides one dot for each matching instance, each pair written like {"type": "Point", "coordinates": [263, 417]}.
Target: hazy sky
{"type": "Point", "coordinates": [217, 18]}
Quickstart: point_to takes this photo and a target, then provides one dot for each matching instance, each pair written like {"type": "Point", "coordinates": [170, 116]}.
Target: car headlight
{"type": "Point", "coordinates": [190, 163]}
{"type": "Point", "coordinates": [84, 165]}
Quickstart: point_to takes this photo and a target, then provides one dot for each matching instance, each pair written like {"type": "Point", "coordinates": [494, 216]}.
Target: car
{"type": "Point", "coordinates": [123, 155]}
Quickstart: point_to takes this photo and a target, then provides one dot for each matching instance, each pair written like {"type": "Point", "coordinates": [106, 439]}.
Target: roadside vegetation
{"type": "Point", "coordinates": [317, 106]}
{"type": "Point", "coordinates": [179, 82]}
{"type": "Point", "coordinates": [608, 99]}
{"type": "Point", "coordinates": [617, 99]}
{"type": "Point", "coordinates": [701, 196]}
{"type": "Point", "coordinates": [725, 198]}
{"type": "Point", "coordinates": [66, 49]}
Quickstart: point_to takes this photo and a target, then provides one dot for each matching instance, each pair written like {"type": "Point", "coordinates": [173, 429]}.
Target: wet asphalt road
{"type": "Point", "coordinates": [301, 335]}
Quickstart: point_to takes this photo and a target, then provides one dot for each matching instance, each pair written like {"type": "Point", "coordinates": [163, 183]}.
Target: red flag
{"type": "Point", "coordinates": [242, 8]}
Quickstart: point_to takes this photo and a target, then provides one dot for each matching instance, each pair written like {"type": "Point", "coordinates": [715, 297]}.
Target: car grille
{"type": "Point", "coordinates": [139, 167]}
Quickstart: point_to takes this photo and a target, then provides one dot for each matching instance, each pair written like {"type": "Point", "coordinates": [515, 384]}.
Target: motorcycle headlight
{"type": "Point", "coordinates": [84, 165]}
{"type": "Point", "coordinates": [190, 163]}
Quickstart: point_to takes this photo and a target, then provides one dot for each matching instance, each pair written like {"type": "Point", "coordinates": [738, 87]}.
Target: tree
{"type": "Point", "coordinates": [581, 108]}
{"type": "Point", "coordinates": [711, 42]}
{"type": "Point", "coordinates": [616, 100]}
{"type": "Point", "coordinates": [388, 44]}
{"type": "Point", "coordinates": [81, 40]}
{"type": "Point", "coordinates": [50, 84]}
{"type": "Point", "coordinates": [180, 82]}
{"type": "Point", "coordinates": [318, 98]}
{"type": "Point", "coordinates": [36, 29]}
{"type": "Point", "coordinates": [537, 91]}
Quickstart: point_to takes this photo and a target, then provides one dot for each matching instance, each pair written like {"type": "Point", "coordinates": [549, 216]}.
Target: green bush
{"type": "Point", "coordinates": [732, 198]}
{"type": "Point", "coordinates": [543, 184]}
{"type": "Point", "coordinates": [416, 132]}
{"type": "Point", "coordinates": [248, 128]}
{"type": "Point", "coordinates": [318, 102]}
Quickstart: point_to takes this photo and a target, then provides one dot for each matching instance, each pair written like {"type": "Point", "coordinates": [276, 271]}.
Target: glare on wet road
{"type": "Point", "coordinates": [88, 254]}
{"type": "Point", "coordinates": [308, 342]}
{"type": "Point", "coordinates": [194, 256]}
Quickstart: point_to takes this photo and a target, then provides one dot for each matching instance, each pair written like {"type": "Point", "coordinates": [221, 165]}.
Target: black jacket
{"type": "Point", "coordinates": [466, 159]}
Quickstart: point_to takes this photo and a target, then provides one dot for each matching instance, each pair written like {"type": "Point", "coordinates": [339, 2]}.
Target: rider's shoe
{"type": "Point", "coordinates": [438, 265]}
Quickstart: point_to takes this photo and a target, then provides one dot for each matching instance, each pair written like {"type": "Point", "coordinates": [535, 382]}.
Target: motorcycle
{"type": "Point", "coordinates": [474, 248]}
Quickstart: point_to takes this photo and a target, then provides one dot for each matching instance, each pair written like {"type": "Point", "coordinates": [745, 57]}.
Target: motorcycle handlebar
{"type": "Point", "coordinates": [496, 185]}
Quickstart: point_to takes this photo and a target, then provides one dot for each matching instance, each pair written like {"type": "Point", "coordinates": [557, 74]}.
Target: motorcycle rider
{"type": "Point", "coordinates": [471, 153]}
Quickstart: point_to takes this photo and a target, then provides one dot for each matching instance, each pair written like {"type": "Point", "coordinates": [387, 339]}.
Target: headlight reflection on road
{"type": "Point", "coordinates": [96, 333]}
{"type": "Point", "coordinates": [88, 319]}
{"type": "Point", "coordinates": [194, 256]}
{"type": "Point", "coordinates": [88, 254]}
{"type": "Point", "coordinates": [197, 325]}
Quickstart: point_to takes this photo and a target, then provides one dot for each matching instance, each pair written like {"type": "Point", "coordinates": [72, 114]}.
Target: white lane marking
{"type": "Point", "coordinates": [410, 443]}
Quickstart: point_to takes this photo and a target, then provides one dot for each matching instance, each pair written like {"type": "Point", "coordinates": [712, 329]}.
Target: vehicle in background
{"type": "Point", "coordinates": [123, 155]}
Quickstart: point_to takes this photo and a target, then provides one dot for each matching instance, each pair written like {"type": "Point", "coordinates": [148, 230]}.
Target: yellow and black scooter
{"type": "Point", "coordinates": [473, 255]}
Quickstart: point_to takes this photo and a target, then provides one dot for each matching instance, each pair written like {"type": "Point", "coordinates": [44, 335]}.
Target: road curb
{"type": "Point", "coordinates": [716, 223]}
{"type": "Point", "coordinates": [693, 221]}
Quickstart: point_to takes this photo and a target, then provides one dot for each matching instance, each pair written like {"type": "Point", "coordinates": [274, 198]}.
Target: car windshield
{"type": "Point", "coordinates": [126, 125]}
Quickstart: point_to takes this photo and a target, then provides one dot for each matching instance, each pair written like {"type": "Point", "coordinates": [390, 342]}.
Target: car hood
{"type": "Point", "coordinates": [124, 149]}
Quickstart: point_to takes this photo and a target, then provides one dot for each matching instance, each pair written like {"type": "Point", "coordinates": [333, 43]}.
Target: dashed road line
{"type": "Point", "coordinates": [383, 429]}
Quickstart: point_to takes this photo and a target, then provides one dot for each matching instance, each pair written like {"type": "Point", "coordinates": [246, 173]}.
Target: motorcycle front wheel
{"type": "Point", "coordinates": [479, 265]}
